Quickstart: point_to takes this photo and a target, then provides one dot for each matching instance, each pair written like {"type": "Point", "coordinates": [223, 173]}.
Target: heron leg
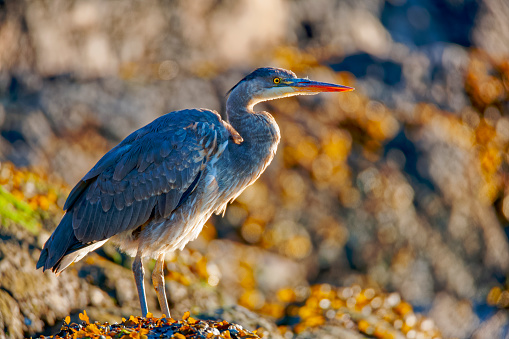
{"type": "Point", "coordinates": [139, 274]}
{"type": "Point", "coordinates": [159, 286]}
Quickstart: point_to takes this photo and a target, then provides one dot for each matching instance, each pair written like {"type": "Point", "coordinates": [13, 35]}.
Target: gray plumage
{"type": "Point", "coordinates": [154, 191]}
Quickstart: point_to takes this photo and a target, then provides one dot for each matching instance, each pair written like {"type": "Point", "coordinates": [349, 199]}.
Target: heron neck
{"type": "Point", "coordinates": [261, 136]}
{"type": "Point", "coordinates": [249, 159]}
{"type": "Point", "coordinates": [257, 127]}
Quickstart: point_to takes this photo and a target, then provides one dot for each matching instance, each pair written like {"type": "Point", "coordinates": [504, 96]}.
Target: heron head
{"type": "Point", "coordinates": [273, 83]}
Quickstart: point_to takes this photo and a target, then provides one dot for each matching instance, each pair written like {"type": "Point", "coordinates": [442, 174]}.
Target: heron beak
{"type": "Point", "coordinates": [305, 85]}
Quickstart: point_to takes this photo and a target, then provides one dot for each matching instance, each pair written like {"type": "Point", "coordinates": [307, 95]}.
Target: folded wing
{"type": "Point", "coordinates": [148, 175]}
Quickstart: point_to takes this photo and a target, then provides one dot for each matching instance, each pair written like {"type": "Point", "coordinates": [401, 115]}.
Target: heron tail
{"type": "Point", "coordinates": [62, 245]}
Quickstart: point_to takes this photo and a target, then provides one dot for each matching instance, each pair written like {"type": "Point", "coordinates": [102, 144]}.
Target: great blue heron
{"type": "Point", "coordinates": [154, 191]}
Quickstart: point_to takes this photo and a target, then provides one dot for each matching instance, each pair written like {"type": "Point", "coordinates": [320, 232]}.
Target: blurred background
{"type": "Point", "coordinates": [384, 214]}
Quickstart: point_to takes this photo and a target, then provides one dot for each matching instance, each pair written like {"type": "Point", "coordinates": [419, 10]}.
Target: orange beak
{"type": "Point", "coordinates": [305, 85]}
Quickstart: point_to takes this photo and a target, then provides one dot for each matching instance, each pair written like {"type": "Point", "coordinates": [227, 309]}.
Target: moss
{"type": "Point", "coordinates": [14, 210]}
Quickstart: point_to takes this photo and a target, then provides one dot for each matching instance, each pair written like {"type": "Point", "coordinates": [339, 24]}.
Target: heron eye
{"type": "Point", "coordinates": [277, 80]}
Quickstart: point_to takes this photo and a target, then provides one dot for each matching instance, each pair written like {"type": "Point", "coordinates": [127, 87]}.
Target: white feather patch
{"type": "Point", "coordinates": [278, 93]}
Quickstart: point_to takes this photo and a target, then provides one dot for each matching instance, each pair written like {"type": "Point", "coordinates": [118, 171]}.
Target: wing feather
{"type": "Point", "coordinates": [171, 202]}
{"type": "Point", "coordinates": [106, 222]}
{"type": "Point", "coordinates": [163, 184]}
{"type": "Point", "coordinates": [129, 195]}
{"type": "Point", "coordinates": [76, 192]}
{"type": "Point", "coordinates": [106, 201]}
{"type": "Point", "coordinates": [80, 226]}
{"type": "Point", "coordinates": [99, 217]}
{"type": "Point", "coordinates": [115, 221]}
{"type": "Point", "coordinates": [126, 164]}
{"type": "Point", "coordinates": [143, 211]}
{"type": "Point", "coordinates": [170, 173]}
{"type": "Point", "coordinates": [127, 216]}
{"type": "Point", "coordinates": [81, 215]}
{"type": "Point", "coordinates": [107, 186]}
{"type": "Point", "coordinates": [165, 148]}
{"type": "Point", "coordinates": [133, 223]}
{"type": "Point", "coordinates": [79, 212]}
{"type": "Point", "coordinates": [151, 188]}
{"type": "Point", "coordinates": [138, 192]}
{"type": "Point", "coordinates": [119, 201]}
{"type": "Point", "coordinates": [161, 204]}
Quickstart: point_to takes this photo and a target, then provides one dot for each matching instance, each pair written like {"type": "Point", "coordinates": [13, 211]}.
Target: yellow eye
{"type": "Point", "coordinates": [277, 80]}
